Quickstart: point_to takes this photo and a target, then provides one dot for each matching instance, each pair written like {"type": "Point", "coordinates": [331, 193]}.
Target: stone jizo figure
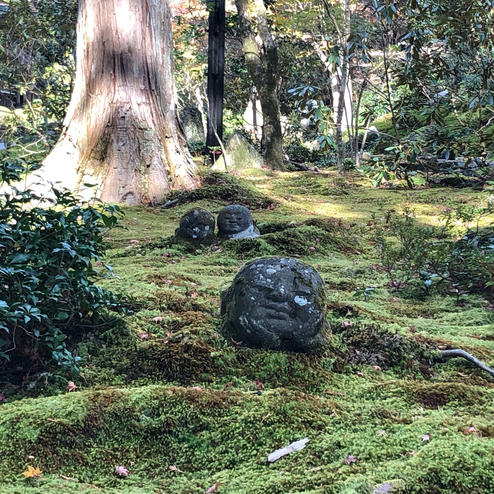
{"type": "Point", "coordinates": [196, 225]}
{"type": "Point", "coordinates": [276, 303]}
{"type": "Point", "coordinates": [235, 221]}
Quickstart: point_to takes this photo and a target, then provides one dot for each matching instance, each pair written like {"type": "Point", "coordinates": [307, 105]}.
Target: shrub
{"type": "Point", "coordinates": [431, 258]}
{"type": "Point", "coordinates": [46, 271]}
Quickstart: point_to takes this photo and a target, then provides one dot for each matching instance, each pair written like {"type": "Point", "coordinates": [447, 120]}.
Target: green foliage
{"type": "Point", "coordinates": [36, 42]}
{"type": "Point", "coordinates": [389, 169]}
{"type": "Point", "coordinates": [46, 274]}
{"type": "Point", "coordinates": [429, 258]}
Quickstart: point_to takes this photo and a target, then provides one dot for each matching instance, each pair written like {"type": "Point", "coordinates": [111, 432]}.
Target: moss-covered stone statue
{"type": "Point", "coordinates": [196, 225]}
{"type": "Point", "coordinates": [235, 221]}
{"type": "Point", "coordinates": [276, 303]}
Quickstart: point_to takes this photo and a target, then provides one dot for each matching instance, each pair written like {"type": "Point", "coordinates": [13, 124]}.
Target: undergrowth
{"type": "Point", "coordinates": [164, 395]}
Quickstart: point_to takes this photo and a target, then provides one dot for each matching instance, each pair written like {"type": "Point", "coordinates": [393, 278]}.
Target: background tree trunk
{"type": "Point", "coordinates": [342, 77]}
{"type": "Point", "coordinates": [262, 65]}
{"type": "Point", "coordinates": [216, 71]}
{"type": "Point", "coordinates": [121, 131]}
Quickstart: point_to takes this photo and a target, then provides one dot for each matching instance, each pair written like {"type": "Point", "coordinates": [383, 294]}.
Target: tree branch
{"type": "Point", "coordinates": [445, 354]}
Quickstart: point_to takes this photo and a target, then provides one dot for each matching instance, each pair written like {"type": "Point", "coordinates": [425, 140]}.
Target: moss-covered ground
{"type": "Point", "coordinates": [164, 395]}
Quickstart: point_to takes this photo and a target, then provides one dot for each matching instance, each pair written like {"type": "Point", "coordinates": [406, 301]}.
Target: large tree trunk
{"type": "Point", "coordinates": [262, 65]}
{"type": "Point", "coordinates": [121, 131]}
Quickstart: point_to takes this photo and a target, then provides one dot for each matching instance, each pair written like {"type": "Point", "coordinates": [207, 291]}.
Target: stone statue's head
{"type": "Point", "coordinates": [276, 303]}
{"type": "Point", "coordinates": [234, 219]}
{"type": "Point", "coordinates": [196, 225]}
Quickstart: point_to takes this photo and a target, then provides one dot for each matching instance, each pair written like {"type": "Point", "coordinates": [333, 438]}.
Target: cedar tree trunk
{"type": "Point", "coordinates": [121, 130]}
{"type": "Point", "coordinates": [262, 65]}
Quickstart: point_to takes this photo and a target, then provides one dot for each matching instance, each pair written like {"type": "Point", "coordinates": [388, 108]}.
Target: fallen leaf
{"type": "Point", "coordinates": [351, 459]}
{"type": "Point", "coordinates": [229, 384]}
{"type": "Point", "coordinates": [31, 472]}
{"type": "Point", "coordinates": [471, 430]}
{"type": "Point", "coordinates": [213, 488]}
{"type": "Point", "coordinates": [411, 453]}
{"type": "Point", "coordinates": [383, 488]}
{"type": "Point", "coordinates": [71, 386]}
{"type": "Point", "coordinates": [295, 446]}
{"type": "Point", "coordinates": [121, 471]}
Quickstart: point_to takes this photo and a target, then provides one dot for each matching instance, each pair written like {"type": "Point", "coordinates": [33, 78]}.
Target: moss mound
{"type": "Point", "coordinates": [220, 186]}
{"type": "Point", "coordinates": [374, 345]}
{"type": "Point", "coordinates": [290, 239]}
{"type": "Point", "coordinates": [177, 439]}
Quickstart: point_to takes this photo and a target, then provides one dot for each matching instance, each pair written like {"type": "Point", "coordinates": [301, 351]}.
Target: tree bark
{"type": "Point", "coordinates": [216, 71]}
{"type": "Point", "coordinates": [121, 131]}
{"type": "Point", "coordinates": [261, 60]}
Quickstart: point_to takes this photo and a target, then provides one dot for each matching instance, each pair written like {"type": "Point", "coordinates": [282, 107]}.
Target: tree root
{"type": "Point", "coordinates": [445, 354]}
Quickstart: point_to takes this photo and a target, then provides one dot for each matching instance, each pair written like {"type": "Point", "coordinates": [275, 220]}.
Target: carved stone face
{"type": "Point", "coordinates": [276, 303]}
{"type": "Point", "coordinates": [235, 221]}
{"type": "Point", "coordinates": [196, 225]}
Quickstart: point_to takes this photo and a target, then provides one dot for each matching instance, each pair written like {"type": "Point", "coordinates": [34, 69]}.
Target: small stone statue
{"type": "Point", "coordinates": [197, 225]}
{"type": "Point", "coordinates": [276, 303]}
{"type": "Point", "coordinates": [235, 221]}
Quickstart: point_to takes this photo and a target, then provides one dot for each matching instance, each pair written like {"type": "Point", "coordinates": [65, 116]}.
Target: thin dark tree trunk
{"type": "Point", "coordinates": [216, 71]}
{"type": "Point", "coordinates": [121, 131]}
{"type": "Point", "coordinates": [262, 65]}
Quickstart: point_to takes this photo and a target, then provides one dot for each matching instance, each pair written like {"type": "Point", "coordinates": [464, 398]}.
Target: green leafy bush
{"type": "Point", "coordinates": [47, 253]}
{"type": "Point", "coordinates": [432, 258]}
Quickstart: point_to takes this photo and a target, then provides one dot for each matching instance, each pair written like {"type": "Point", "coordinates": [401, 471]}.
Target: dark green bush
{"type": "Point", "coordinates": [47, 251]}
